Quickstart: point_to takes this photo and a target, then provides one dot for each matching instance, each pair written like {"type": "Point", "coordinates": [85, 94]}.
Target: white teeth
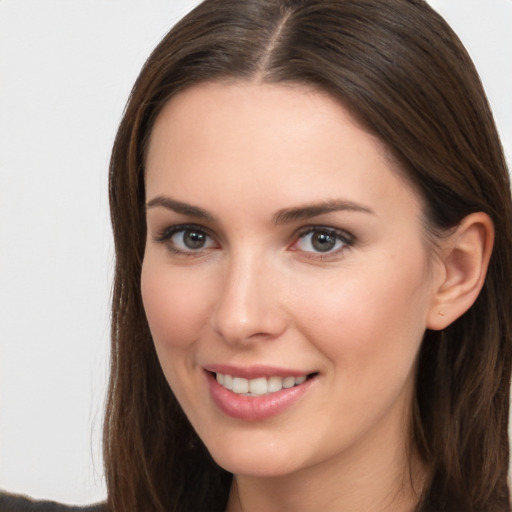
{"type": "Point", "coordinates": [240, 385]}
{"type": "Point", "coordinates": [228, 382]}
{"type": "Point", "coordinates": [259, 386]}
{"type": "Point", "coordinates": [275, 384]}
{"type": "Point", "coordinates": [288, 382]}
{"type": "Point", "coordinates": [300, 380]}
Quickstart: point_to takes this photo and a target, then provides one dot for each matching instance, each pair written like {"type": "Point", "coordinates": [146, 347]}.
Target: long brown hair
{"type": "Point", "coordinates": [404, 73]}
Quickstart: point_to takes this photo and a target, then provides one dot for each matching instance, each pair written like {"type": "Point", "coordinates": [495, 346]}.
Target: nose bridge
{"type": "Point", "coordinates": [248, 306]}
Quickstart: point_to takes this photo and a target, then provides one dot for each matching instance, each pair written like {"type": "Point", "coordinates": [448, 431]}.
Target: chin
{"type": "Point", "coordinates": [256, 460]}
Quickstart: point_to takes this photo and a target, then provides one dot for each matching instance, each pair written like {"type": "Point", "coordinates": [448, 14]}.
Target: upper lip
{"type": "Point", "coordinates": [255, 371]}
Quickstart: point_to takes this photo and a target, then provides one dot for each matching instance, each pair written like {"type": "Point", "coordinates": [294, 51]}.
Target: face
{"type": "Point", "coordinates": [286, 278]}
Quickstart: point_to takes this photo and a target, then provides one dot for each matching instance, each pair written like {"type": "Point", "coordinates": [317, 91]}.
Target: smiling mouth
{"type": "Point", "coordinates": [261, 385]}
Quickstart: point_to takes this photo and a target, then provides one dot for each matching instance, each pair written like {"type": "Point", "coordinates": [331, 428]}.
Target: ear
{"type": "Point", "coordinates": [464, 256]}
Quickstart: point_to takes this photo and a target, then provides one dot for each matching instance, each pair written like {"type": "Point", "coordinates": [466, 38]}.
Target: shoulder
{"type": "Point", "coordinates": [18, 503]}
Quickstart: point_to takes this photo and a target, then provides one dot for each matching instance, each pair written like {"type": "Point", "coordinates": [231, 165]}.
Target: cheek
{"type": "Point", "coordinates": [175, 303]}
{"type": "Point", "coordinates": [369, 320]}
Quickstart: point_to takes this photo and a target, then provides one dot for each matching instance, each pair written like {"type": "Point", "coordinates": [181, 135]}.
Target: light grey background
{"type": "Point", "coordinates": [66, 69]}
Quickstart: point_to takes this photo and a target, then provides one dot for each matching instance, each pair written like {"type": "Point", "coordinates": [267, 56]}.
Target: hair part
{"type": "Point", "coordinates": [405, 75]}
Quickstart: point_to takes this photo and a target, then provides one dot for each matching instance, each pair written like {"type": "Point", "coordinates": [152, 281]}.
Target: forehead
{"type": "Point", "coordinates": [260, 109]}
{"type": "Point", "coordinates": [247, 140]}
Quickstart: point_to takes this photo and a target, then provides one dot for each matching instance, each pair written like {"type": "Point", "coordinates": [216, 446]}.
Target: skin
{"type": "Point", "coordinates": [258, 292]}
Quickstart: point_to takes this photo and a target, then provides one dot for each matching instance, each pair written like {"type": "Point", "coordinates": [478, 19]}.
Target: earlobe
{"type": "Point", "coordinates": [465, 256]}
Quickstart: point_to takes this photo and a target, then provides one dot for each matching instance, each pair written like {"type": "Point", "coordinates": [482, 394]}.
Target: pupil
{"type": "Point", "coordinates": [323, 242]}
{"type": "Point", "coordinates": [193, 239]}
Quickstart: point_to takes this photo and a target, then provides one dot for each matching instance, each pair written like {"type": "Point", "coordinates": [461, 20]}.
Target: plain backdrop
{"type": "Point", "coordinates": [66, 69]}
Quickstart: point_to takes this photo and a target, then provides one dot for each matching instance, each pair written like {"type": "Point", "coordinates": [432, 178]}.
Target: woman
{"type": "Point", "coordinates": [305, 197]}
{"type": "Point", "coordinates": [306, 313]}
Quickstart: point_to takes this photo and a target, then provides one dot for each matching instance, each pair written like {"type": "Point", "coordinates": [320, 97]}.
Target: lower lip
{"type": "Point", "coordinates": [255, 408]}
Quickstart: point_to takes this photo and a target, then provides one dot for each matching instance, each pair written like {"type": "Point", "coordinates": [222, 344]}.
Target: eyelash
{"type": "Point", "coordinates": [164, 237]}
{"type": "Point", "coordinates": [347, 240]}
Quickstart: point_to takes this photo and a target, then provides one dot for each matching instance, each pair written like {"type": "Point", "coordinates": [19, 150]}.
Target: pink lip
{"type": "Point", "coordinates": [255, 408]}
{"type": "Point", "coordinates": [253, 372]}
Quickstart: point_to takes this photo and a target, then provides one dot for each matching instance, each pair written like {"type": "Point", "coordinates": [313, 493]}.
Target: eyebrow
{"type": "Point", "coordinates": [281, 217]}
{"type": "Point", "coordinates": [315, 209]}
{"type": "Point", "coordinates": [179, 207]}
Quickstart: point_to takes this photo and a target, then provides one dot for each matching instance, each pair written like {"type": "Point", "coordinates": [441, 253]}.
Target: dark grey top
{"type": "Point", "coordinates": [17, 503]}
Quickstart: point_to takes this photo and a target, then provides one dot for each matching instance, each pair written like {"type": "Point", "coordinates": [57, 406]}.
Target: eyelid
{"type": "Point", "coordinates": [343, 234]}
{"type": "Point", "coordinates": [347, 239]}
{"type": "Point", "coordinates": [165, 235]}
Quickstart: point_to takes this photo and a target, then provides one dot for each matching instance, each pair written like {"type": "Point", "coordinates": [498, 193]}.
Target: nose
{"type": "Point", "coordinates": [248, 305]}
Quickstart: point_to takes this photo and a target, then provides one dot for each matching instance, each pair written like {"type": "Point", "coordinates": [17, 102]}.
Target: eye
{"type": "Point", "coordinates": [186, 239]}
{"type": "Point", "coordinates": [322, 240]}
